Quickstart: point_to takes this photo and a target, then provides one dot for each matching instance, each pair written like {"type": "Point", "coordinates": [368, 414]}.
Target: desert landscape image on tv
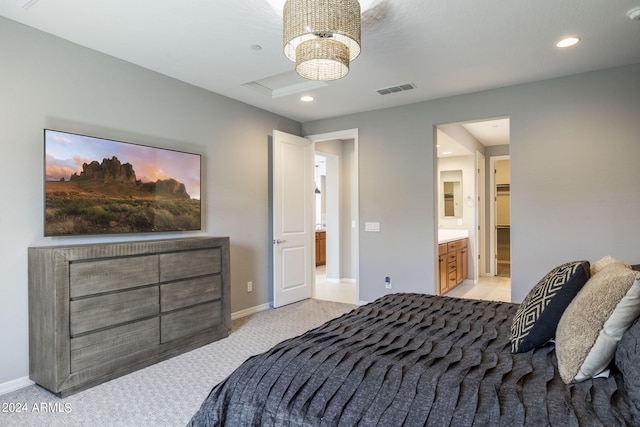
{"type": "Point", "coordinates": [100, 186]}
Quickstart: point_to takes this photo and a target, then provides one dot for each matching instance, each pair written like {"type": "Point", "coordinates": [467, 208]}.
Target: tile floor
{"type": "Point", "coordinates": [488, 288]}
{"type": "Point", "coordinates": [342, 291]}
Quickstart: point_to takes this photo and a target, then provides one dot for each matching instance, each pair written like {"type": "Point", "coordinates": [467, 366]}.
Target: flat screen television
{"type": "Point", "coordinates": [102, 186]}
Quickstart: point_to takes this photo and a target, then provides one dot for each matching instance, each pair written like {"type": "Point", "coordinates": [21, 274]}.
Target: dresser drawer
{"type": "Point", "coordinates": [108, 345]}
{"type": "Point", "coordinates": [181, 265]}
{"type": "Point", "coordinates": [442, 249]}
{"type": "Point", "coordinates": [98, 276]}
{"type": "Point", "coordinates": [98, 312]}
{"type": "Point", "coordinates": [187, 322]}
{"type": "Point", "coordinates": [190, 292]}
{"type": "Point", "coordinates": [453, 279]}
{"type": "Point", "coordinates": [451, 266]}
{"type": "Point", "coordinates": [455, 245]}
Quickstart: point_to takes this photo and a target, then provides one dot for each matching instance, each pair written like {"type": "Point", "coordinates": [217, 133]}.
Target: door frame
{"type": "Point", "coordinates": [493, 247]}
{"type": "Point", "coordinates": [354, 198]}
{"type": "Point", "coordinates": [481, 224]}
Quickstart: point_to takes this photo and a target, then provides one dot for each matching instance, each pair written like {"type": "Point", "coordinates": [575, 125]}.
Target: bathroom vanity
{"type": "Point", "coordinates": [453, 259]}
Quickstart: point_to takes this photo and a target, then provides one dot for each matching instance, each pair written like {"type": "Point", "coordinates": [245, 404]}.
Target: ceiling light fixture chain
{"type": "Point", "coordinates": [321, 36]}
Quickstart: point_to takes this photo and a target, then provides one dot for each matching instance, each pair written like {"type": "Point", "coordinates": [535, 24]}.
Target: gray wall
{"type": "Point", "coordinates": [574, 176]}
{"type": "Point", "coordinates": [49, 83]}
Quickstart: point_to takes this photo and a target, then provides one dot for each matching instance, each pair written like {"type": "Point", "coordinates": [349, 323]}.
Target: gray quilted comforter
{"type": "Point", "coordinates": [414, 360]}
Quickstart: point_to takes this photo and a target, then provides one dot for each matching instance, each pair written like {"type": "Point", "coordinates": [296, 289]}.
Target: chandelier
{"type": "Point", "coordinates": [321, 36]}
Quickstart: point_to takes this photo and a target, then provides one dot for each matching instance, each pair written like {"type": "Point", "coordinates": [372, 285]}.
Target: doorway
{"type": "Point", "coordinates": [471, 147]}
{"type": "Point", "coordinates": [333, 281]}
{"type": "Point", "coordinates": [292, 213]}
{"type": "Point", "coordinates": [336, 217]}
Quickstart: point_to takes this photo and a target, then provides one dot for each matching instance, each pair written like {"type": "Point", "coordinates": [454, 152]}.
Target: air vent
{"type": "Point", "coordinates": [26, 4]}
{"type": "Point", "coordinates": [394, 89]}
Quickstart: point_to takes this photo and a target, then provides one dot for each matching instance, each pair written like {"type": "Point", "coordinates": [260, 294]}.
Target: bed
{"type": "Point", "coordinates": [416, 359]}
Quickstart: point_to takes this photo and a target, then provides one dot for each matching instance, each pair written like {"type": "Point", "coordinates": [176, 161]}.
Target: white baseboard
{"type": "Point", "coordinates": [250, 311]}
{"type": "Point", "coordinates": [14, 385]}
{"type": "Point", "coordinates": [340, 280]}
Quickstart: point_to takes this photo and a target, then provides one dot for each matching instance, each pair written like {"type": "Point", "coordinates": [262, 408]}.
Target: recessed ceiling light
{"type": "Point", "coordinates": [306, 98]}
{"type": "Point", "coordinates": [568, 42]}
{"type": "Point", "coordinates": [446, 153]}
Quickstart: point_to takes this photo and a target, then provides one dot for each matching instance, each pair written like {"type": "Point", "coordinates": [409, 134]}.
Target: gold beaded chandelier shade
{"type": "Point", "coordinates": [321, 36]}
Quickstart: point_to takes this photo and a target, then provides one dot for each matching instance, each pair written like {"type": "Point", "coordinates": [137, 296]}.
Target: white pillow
{"type": "Point", "coordinates": [594, 322]}
{"type": "Point", "coordinates": [603, 262]}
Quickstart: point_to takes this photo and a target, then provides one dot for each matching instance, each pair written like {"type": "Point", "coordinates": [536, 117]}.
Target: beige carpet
{"type": "Point", "coordinates": [170, 392]}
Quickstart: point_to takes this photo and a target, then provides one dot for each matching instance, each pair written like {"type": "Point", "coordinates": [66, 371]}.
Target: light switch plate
{"type": "Point", "coordinates": [372, 226]}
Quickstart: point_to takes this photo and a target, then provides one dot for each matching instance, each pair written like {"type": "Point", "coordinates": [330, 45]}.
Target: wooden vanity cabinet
{"type": "Point", "coordinates": [453, 263]}
{"type": "Point", "coordinates": [443, 284]}
{"type": "Point", "coordinates": [321, 248]}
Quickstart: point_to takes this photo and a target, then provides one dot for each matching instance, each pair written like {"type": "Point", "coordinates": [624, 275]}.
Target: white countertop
{"type": "Point", "coordinates": [445, 235]}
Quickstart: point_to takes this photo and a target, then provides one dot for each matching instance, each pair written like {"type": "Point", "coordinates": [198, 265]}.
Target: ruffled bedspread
{"type": "Point", "coordinates": [411, 360]}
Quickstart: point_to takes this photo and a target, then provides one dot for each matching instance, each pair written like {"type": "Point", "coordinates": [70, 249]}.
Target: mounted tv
{"type": "Point", "coordinates": [101, 186]}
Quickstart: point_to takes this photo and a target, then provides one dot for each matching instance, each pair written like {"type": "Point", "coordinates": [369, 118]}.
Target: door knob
{"type": "Point", "coordinates": [277, 242]}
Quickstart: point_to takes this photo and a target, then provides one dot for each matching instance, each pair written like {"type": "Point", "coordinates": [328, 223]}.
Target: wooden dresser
{"type": "Point", "coordinates": [453, 263]}
{"type": "Point", "coordinates": [100, 311]}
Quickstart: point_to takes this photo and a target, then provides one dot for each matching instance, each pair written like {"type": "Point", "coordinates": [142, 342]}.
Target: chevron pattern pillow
{"type": "Point", "coordinates": [537, 317]}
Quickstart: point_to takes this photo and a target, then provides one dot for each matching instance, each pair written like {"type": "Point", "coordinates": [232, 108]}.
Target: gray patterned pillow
{"type": "Point", "coordinates": [537, 317]}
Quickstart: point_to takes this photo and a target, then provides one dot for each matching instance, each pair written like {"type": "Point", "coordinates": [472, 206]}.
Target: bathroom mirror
{"type": "Point", "coordinates": [451, 193]}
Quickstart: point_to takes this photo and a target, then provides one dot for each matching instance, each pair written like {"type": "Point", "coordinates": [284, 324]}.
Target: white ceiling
{"type": "Point", "coordinates": [444, 47]}
{"type": "Point", "coordinates": [488, 132]}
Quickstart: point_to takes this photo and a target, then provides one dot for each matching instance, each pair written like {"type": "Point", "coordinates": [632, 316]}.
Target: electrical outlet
{"type": "Point", "coordinates": [249, 286]}
{"type": "Point", "coordinates": [387, 282]}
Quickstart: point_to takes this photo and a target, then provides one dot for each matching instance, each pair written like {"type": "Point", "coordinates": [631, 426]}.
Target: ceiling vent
{"type": "Point", "coordinates": [394, 89]}
{"type": "Point", "coordinates": [26, 4]}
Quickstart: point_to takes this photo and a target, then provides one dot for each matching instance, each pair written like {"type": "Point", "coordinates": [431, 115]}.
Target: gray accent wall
{"type": "Point", "coordinates": [46, 82]}
{"type": "Point", "coordinates": [575, 180]}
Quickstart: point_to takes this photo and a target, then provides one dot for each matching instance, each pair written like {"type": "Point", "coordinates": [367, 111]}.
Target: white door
{"type": "Point", "coordinates": [293, 218]}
